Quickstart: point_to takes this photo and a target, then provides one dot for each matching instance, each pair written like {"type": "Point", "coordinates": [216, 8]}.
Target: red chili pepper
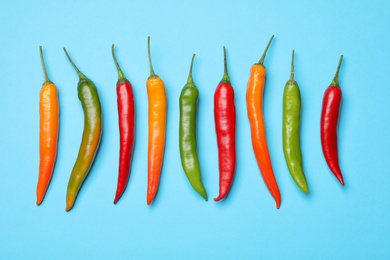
{"type": "Point", "coordinates": [225, 126]}
{"type": "Point", "coordinates": [329, 120]}
{"type": "Point", "coordinates": [126, 118]}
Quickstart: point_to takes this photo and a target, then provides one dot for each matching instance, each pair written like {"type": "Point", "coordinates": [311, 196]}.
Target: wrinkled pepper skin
{"type": "Point", "coordinates": [291, 130]}
{"type": "Point", "coordinates": [187, 134]}
{"type": "Point", "coordinates": [254, 100]}
{"type": "Point", "coordinates": [225, 128]}
{"type": "Point", "coordinates": [329, 122]}
{"type": "Point", "coordinates": [92, 132]}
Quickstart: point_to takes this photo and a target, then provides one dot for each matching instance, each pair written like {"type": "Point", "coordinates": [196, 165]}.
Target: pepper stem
{"type": "Point", "coordinates": [261, 61]}
{"type": "Point", "coordinates": [121, 76]}
{"type": "Point", "coordinates": [47, 80]}
{"type": "Point", "coordinates": [225, 77]}
{"type": "Point", "coordinates": [335, 81]}
{"type": "Point", "coordinates": [292, 67]}
{"type": "Point", "coordinates": [81, 75]}
{"type": "Point", "coordinates": [190, 80]}
{"type": "Point", "coordinates": [152, 74]}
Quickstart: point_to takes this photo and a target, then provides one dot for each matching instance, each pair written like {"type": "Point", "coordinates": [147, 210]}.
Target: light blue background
{"type": "Point", "coordinates": [332, 222]}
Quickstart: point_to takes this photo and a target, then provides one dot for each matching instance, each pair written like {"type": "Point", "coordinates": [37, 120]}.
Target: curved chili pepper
{"type": "Point", "coordinates": [254, 100]}
{"type": "Point", "coordinates": [187, 134]}
{"type": "Point", "coordinates": [329, 121]}
{"type": "Point", "coordinates": [92, 132]}
{"type": "Point", "coordinates": [291, 130]}
{"type": "Point", "coordinates": [157, 117]}
{"type": "Point", "coordinates": [126, 119]}
{"type": "Point", "coordinates": [48, 132]}
{"type": "Point", "coordinates": [225, 128]}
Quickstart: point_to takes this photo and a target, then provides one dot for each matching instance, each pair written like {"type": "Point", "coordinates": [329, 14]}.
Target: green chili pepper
{"type": "Point", "coordinates": [291, 129]}
{"type": "Point", "coordinates": [187, 134]}
{"type": "Point", "coordinates": [90, 102]}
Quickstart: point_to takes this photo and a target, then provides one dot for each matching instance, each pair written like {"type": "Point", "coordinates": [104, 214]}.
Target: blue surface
{"type": "Point", "coordinates": [332, 222]}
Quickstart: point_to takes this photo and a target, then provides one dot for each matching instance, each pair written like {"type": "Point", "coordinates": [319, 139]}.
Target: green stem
{"type": "Point", "coordinates": [190, 80]}
{"type": "Point", "coordinates": [292, 68]}
{"type": "Point", "coordinates": [261, 61]}
{"type": "Point", "coordinates": [225, 77]}
{"type": "Point", "coordinates": [47, 80]}
{"type": "Point", "coordinates": [81, 75]}
{"type": "Point", "coordinates": [121, 76]}
{"type": "Point", "coordinates": [335, 81]}
{"type": "Point", "coordinates": [152, 74]}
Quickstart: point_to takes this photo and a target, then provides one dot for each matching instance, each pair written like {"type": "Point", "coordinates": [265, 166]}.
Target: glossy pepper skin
{"type": "Point", "coordinates": [92, 132]}
{"type": "Point", "coordinates": [254, 100]}
{"type": "Point", "coordinates": [329, 121]}
{"type": "Point", "coordinates": [291, 130]}
{"type": "Point", "coordinates": [187, 134]}
{"type": "Point", "coordinates": [48, 132]}
{"type": "Point", "coordinates": [126, 120]}
{"type": "Point", "coordinates": [157, 117]}
{"type": "Point", "coordinates": [225, 128]}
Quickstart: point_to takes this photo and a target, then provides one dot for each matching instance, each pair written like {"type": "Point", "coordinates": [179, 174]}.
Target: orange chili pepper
{"type": "Point", "coordinates": [48, 132]}
{"type": "Point", "coordinates": [254, 101]}
{"type": "Point", "coordinates": [157, 115]}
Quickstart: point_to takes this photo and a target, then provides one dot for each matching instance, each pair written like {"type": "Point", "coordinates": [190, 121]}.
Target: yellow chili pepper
{"type": "Point", "coordinates": [157, 115]}
{"type": "Point", "coordinates": [254, 100]}
{"type": "Point", "coordinates": [48, 132]}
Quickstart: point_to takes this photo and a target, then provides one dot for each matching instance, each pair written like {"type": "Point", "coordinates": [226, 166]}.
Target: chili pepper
{"type": "Point", "coordinates": [187, 134]}
{"type": "Point", "coordinates": [329, 121]}
{"type": "Point", "coordinates": [92, 132]}
{"type": "Point", "coordinates": [225, 128]}
{"type": "Point", "coordinates": [254, 100]}
{"type": "Point", "coordinates": [291, 129]}
{"type": "Point", "coordinates": [48, 132]}
{"type": "Point", "coordinates": [157, 117]}
{"type": "Point", "coordinates": [126, 114]}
